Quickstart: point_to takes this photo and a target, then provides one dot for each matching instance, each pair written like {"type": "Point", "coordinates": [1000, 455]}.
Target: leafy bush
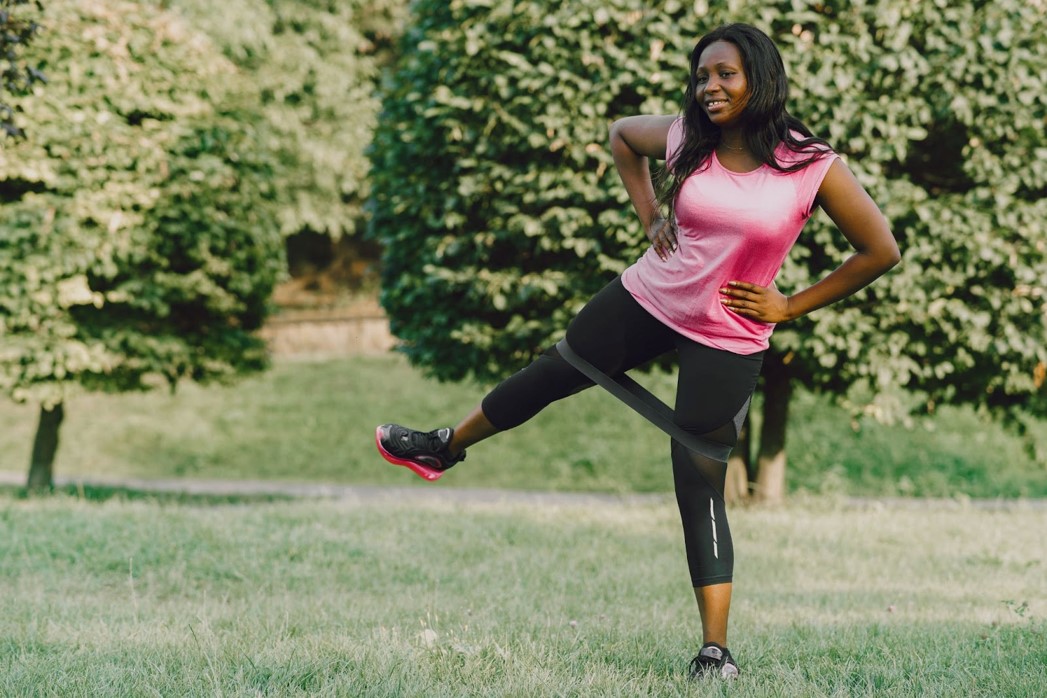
{"type": "Point", "coordinates": [494, 193]}
{"type": "Point", "coordinates": [136, 239]}
{"type": "Point", "coordinates": [315, 66]}
{"type": "Point", "coordinates": [18, 26]}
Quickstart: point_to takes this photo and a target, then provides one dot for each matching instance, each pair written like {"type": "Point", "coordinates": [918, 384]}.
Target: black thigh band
{"type": "Point", "coordinates": [648, 405]}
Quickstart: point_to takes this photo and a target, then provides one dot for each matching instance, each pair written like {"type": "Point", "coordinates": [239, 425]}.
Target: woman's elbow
{"type": "Point", "coordinates": [886, 258]}
{"type": "Point", "coordinates": [881, 257]}
{"type": "Point", "coordinates": [892, 256]}
{"type": "Point", "coordinates": [618, 141]}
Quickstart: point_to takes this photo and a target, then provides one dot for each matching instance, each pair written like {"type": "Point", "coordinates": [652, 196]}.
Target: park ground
{"type": "Point", "coordinates": [248, 541]}
{"type": "Point", "coordinates": [439, 595]}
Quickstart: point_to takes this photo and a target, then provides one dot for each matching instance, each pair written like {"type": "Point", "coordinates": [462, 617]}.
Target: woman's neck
{"type": "Point", "coordinates": [733, 140]}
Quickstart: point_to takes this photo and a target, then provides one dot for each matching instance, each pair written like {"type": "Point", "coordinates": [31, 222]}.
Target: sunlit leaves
{"type": "Point", "coordinates": [138, 238]}
{"type": "Point", "coordinates": [18, 26]}
{"type": "Point", "coordinates": [315, 66]}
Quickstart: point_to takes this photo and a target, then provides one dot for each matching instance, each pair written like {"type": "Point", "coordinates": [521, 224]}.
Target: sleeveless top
{"type": "Point", "coordinates": [731, 226]}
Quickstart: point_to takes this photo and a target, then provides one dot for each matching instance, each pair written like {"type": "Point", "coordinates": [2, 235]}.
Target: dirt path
{"type": "Point", "coordinates": [422, 492]}
{"type": "Point", "coordinates": [270, 488]}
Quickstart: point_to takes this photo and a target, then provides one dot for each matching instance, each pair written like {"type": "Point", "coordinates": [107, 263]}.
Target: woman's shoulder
{"type": "Point", "coordinates": [676, 130]}
{"type": "Point", "coordinates": [674, 140]}
{"type": "Point", "coordinates": [802, 149]}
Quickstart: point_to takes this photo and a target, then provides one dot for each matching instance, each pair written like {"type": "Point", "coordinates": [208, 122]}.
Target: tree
{"type": "Point", "coordinates": [955, 158]}
{"type": "Point", "coordinates": [316, 65]}
{"type": "Point", "coordinates": [17, 29]}
{"type": "Point", "coordinates": [138, 245]}
{"type": "Point", "coordinates": [516, 217]}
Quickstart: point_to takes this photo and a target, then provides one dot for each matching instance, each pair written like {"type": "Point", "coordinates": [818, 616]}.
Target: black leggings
{"type": "Point", "coordinates": [615, 334]}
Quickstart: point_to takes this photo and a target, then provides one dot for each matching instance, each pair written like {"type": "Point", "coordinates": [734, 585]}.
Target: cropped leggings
{"type": "Point", "coordinates": [615, 334]}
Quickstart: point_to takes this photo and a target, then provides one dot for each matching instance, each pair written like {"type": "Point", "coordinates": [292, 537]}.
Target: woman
{"type": "Point", "coordinates": [743, 177]}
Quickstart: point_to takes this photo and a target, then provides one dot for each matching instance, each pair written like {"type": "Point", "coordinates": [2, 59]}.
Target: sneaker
{"type": "Point", "coordinates": [426, 453]}
{"type": "Point", "coordinates": [714, 660]}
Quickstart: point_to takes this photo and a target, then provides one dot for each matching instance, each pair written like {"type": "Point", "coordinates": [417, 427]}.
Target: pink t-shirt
{"type": "Point", "coordinates": [730, 226]}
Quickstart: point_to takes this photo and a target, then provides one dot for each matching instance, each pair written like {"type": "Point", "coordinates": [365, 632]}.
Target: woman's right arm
{"type": "Point", "coordinates": [634, 140]}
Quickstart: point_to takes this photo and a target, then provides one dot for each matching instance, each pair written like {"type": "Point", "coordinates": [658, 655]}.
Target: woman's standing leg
{"type": "Point", "coordinates": [712, 399]}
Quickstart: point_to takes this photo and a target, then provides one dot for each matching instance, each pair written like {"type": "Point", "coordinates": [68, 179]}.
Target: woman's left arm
{"type": "Point", "coordinates": [859, 219]}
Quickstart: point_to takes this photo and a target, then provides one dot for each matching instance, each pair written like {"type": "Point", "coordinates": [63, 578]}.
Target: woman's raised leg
{"type": "Point", "coordinates": [613, 332]}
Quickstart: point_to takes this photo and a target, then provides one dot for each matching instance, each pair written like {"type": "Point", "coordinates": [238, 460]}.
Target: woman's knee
{"type": "Point", "coordinates": [530, 390]}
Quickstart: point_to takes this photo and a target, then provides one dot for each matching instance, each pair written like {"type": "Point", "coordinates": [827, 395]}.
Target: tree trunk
{"type": "Point", "coordinates": [45, 445]}
{"type": "Point", "coordinates": [777, 390]}
{"type": "Point", "coordinates": [737, 486]}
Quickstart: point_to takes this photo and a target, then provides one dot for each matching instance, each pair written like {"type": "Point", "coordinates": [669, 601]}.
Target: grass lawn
{"type": "Point", "coordinates": [172, 597]}
{"type": "Point", "coordinates": [315, 422]}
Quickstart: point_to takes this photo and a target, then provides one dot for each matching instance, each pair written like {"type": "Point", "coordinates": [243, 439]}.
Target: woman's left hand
{"type": "Point", "coordinates": [761, 303]}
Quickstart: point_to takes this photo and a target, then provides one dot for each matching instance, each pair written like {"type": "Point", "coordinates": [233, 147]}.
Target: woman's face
{"type": "Point", "coordinates": [722, 88]}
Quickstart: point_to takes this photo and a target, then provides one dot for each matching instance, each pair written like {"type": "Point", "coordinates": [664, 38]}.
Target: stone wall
{"type": "Point", "coordinates": [351, 331]}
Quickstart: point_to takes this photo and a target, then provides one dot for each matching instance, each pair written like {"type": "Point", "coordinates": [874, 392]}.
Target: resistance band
{"type": "Point", "coordinates": [646, 404]}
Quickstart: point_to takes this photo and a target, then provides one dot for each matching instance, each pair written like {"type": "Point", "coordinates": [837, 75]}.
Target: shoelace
{"type": "Point", "coordinates": [424, 441]}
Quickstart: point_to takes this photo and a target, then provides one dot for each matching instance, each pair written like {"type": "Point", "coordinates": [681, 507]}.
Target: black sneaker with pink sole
{"type": "Point", "coordinates": [426, 453]}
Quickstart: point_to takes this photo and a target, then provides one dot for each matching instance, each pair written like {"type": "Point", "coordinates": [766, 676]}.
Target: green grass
{"type": "Point", "coordinates": [441, 598]}
{"type": "Point", "coordinates": [315, 422]}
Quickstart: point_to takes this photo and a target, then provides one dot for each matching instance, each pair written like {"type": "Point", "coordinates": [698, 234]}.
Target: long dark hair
{"type": "Point", "coordinates": [767, 123]}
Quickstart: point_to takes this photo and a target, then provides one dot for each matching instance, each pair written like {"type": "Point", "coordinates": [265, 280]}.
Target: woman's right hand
{"type": "Point", "coordinates": [634, 141]}
{"type": "Point", "coordinates": [662, 235]}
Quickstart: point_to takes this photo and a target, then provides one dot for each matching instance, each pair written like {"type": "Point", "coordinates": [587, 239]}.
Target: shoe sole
{"type": "Point", "coordinates": [713, 673]}
{"type": "Point", "coordinates": [418, 469]}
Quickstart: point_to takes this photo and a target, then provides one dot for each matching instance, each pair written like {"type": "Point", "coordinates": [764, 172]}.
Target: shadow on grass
{"type": "Point", "coordinates": [105, 493]}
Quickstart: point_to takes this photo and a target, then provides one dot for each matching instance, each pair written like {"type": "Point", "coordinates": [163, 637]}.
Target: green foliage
{"type": "Point", "coordinates": [494, 192]}
{"type": "Point", "coordinates": [17, 29]}
{"type": "Point", "coordinates": [136, 239]}
{"type": "Point", "coordinates": [940, 108]}
{"type": "Point", "coordinates": [500, 211]}
{"type": "Point", "coordinates": [315, 64]}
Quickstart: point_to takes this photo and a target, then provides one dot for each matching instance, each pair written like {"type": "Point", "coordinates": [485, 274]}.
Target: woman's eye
{"type": "Point", "coordinates": [726, 75]}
